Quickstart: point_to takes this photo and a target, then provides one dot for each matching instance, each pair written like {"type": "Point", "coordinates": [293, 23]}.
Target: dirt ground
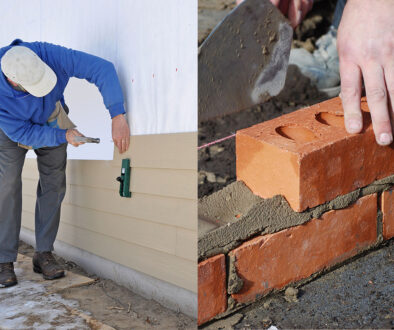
{"type": "Point", "coordinates": [217, 163]}
{"type": "Point", "coordinates": [117, 306]}
{"type": "Point", "coordinates": [358, 295]}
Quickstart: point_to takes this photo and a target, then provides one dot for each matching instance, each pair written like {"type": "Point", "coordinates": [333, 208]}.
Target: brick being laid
{"type": "Point", "coordinates": [308, 157]}
{"type": "Point", "coordinates": [275, 260]}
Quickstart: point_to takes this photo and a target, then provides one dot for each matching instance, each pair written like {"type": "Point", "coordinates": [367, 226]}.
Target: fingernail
{"type": "Point", "coordinates": [299, 16]}
{"type": "Point", "coordinates": [353, 126]}
{"type": "Point", "coordinates": [385, 139]}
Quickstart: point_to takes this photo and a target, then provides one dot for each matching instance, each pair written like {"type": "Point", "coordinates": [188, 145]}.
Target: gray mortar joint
{"type": "Point", "coordinates": [234, 282]}
{"type": "Point", "coordinates": [267, 216]}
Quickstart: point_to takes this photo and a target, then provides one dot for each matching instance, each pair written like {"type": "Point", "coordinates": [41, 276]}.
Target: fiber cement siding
{"type": "Point", "coordinates": [155, 231]}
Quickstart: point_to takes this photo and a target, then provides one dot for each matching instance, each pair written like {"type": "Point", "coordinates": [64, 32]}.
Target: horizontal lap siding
{"type": "Point", "coordinates": [161, 182]}
{"type": "Point", "coordinates": [160, 209]}
{"type": "Point", "coordinates": [155, 231]}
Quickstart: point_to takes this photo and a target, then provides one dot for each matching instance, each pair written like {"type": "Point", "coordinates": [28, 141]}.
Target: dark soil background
{"type": "Point", "coordinates": [217, 163]}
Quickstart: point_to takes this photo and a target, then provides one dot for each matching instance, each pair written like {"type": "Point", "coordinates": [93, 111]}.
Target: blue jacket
{"type": "Point", "coordinates": [23, 117]}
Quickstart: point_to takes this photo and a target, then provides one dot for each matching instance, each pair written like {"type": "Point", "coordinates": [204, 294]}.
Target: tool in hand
{"type": "Point", "coordinates": [85, 139]}
{"type": "Point", "coordinates": [243, 62]}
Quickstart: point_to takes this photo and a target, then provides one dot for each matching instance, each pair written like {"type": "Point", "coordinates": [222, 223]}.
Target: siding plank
{"type": "Point", "coordinates": [162, 210]}
{"type": "Point", "coordinates": [176, 183]}
{"type": "Point", "coordinates": [176, 212]}
{"type": "Point", "coordinates": [149, 234]}
{"type": "Point", "coordinates": [163, 182]}
{"type": "Point", "coordinates": [186, 244]}
{"type": "Point", "coordinates": [178, 150]}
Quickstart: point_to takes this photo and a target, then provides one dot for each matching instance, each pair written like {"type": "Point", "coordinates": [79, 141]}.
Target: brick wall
{"type": "Point", "coordinates": [307, 157]}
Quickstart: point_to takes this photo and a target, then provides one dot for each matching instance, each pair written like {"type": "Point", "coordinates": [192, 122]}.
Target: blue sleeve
{"type": "Point", "coordinates": [30, 134]}
{"type": "Point", "coordinates": [94, 69]}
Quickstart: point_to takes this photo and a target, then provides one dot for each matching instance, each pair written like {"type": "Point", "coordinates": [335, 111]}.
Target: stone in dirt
{"type": "Point", "coordinates": [291, 294]}
{"type": "Point", "coordinates": [211, 177]}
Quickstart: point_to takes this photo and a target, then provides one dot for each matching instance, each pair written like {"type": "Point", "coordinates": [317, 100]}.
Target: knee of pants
{"type": "Point", "coordinates": [55, 181]}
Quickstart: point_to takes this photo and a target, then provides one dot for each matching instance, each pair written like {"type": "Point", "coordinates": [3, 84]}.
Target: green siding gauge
{"type": "Point", "coordinates": [124, 179]}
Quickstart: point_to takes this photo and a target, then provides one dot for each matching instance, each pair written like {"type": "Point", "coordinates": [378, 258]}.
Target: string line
{"type": "Point", "coordinates": [216, 141]}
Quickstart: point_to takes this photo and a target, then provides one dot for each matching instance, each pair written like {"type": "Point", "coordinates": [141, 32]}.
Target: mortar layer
{"type": "Point", "coordinates": [242, 215]}
{"type": "Point", "coordinates": [234, 283]}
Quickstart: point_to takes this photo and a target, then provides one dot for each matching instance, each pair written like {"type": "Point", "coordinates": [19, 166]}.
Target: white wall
{"type": "Point", "coordinates": [153, 44]}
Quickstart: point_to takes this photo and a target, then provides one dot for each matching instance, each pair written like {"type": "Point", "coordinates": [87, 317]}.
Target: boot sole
{"type": "Point", "coordinates": [38, 270]}
{"type": "Point", "coordinates": [4, 286]}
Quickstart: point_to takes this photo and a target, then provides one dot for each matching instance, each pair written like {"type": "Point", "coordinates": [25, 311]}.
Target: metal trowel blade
{"type": "Point", "coordinates": [243, 62]}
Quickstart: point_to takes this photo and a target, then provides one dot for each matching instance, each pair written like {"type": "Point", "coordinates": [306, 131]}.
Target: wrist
{"type": "Point", "coordinates": [116, 109]}
{"type": "Point", "coordinates": [117, 117]}
{"type": "Point", "coordinates": [61, 136]}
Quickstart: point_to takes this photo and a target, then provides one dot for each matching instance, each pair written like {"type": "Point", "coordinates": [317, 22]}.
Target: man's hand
{"type": "Point", "coordinates": [70, 134]}
{"type": "Point", "coordinates": [121, 133]}
{"type": "Point", "coordinates": [294, 10]}
{"type": "Point", "coordinates": [366, 49]}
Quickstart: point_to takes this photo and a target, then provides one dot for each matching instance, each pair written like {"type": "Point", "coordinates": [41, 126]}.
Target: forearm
{"type": "Point", "coordinates": [35, 135]}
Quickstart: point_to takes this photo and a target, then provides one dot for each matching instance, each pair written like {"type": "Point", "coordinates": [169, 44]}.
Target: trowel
{"type": "Point", "coordinates": [243, 62]}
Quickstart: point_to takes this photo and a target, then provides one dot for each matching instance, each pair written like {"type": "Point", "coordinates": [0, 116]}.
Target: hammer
{"type": "Point", "coordinates": [85, 139]}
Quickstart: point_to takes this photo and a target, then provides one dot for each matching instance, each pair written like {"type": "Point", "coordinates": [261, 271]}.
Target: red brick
{"type": "Point", "coordinates": [388, 214]}
{"type": "Point", "coordinates": [308, 157]}
{"type": "Point", "coordinates": [275, 260]}
{"type": "Point", "coordinates": [212, 294]}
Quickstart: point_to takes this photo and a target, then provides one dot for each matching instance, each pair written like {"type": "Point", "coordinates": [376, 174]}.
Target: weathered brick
{"type": "Point", "coordinates": [387, 208]}
{"type": "Point", "coordinates": [308, 157]}
{"type": "Point", "coordinates": [275, 260]}
{"type": "Point", "coordinates": [212, 295]}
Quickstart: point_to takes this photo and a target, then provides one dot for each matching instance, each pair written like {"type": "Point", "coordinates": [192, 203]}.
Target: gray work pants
{"type": "Point", "coordinates": [50, 193]}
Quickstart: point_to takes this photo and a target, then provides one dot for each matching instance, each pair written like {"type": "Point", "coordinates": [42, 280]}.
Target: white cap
{"type": "Point", "coordinates": [21, 65]}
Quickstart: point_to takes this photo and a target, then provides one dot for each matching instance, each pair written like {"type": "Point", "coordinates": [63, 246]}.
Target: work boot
{"type": "Point", "coordinates": [7, 275]}
{"type": "Point", "coordinates": [321, 67]}
{"type": "Point", "coordinates": [46, 264]}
